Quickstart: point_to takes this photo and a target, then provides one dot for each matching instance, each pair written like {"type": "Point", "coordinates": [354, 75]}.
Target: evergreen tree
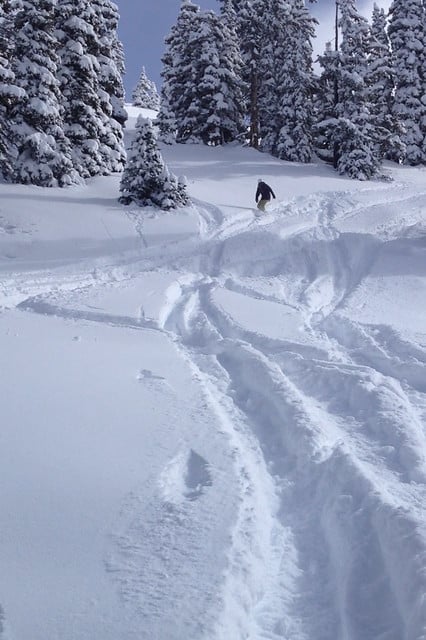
{"type": "Point", "coordinates": [177, 91]}
{"type": "Point", "coordinates": [91, 83]}
{"type": "Point", "coordinates": [42, 150]}
{"type": "Point", "coordinates": [145, 93]}
{"type": "Point", "coordinates": [408, 41]}
{"type": "Point", "coordinates": [10, 93]}
{"type": "Point", "coordinates": [213, 115]}
{"type": "Point", "coordinates": [273, 71]}
{"type": "Point", "coordinates": [325, 105]}
{"type": "Point", "coordinates": [108, 51]}
{"type": "Point", "coordinates": [234, 15]}
{"type": "Point", "coordinates": [146, 181]}
{"type": "Point", "coordinates": [380, 82]}
{"type": "Point", "coordinates": [165, 120]}
{"type": "Point", "coordinates": [275, 43]}
{"type": "Point", "coordinates": [232, 84]}
{"type": "Point", "coordinates": [295, 87]}
{"type": "Point", "coordinates": [202, 96]}
{"type": "Point", "coordinates": [80, 87]}
{"type": "Point", "coordinates": [356, 132]}
{"type": "Point", "coordinates": [251, 33]}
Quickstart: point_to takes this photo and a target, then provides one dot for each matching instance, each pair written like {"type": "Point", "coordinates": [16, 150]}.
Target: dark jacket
{"type": "Point", "coordinates": [264, 191]}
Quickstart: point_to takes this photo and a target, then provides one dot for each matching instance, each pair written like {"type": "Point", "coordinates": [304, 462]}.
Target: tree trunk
{"type": "Point", "coordinates": [254, 111]}
{"type": "Point", "coordinates": [336, 151]}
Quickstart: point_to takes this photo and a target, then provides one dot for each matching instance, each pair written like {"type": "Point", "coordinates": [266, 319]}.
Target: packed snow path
{"type": "Point", "coordinates": [233, 446]}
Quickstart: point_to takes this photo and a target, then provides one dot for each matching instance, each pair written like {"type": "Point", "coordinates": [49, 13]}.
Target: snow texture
{"type": "Point", "coordinates": [213, 420]}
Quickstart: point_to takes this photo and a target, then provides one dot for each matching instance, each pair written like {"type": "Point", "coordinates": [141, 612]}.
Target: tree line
{"type": "Point", "coordinates": [61, 91]}
{"type": "Point", "coordinates": [248, 75]}
{"type": "Point", "coordinates": [244, 74]}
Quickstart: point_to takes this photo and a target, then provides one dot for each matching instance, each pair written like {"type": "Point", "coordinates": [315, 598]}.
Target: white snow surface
{"type": "Point", "coordinates": [213, 421]}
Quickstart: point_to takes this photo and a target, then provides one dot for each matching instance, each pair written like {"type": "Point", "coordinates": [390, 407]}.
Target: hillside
{"type": "Point", "coordinates": [213, 421]}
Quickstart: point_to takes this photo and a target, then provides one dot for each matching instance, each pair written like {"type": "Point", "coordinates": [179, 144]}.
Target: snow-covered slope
{"type": "Point", "coordinates": [213, 422]}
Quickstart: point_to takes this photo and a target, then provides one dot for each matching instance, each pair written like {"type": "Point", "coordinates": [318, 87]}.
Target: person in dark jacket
{"type": "Point", "coordinates": [264, 192]}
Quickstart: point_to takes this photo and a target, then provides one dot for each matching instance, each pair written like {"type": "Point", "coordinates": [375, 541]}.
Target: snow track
{"type": "Point", "coordinates": [326, 420]}
{"type": "Point", "coordinates": [280, 491]}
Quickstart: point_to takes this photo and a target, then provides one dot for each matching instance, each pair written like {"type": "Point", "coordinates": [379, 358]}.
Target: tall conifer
{"type": "Point", "coordinates": [10, 93]}
{"type": "Point", "coordinates": [80, 86]}
{"type": "Point", "coordinates": [177, 91]}
{"type": "Point", "coordinates": [295, 87]}
{"type": "Point", "coordinates": [380, 82]}
{"type": "Point", "coordinates": [107, 50]}
{"type": "Point", "coordinates": [42, 149]}
{"type": "Point", "coordinates": [408, 41]}
{"type": "Point", "coordinates": [356, 132]}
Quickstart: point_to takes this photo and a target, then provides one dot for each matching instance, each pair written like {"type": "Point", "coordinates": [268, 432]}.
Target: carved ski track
{"type": "Point", "coordinates": [287, 442]}
{"type": "Point", "coordinates": [42, 306]}
{"type": "Point", "coordinates": [260, 384]}
{"type": "Point", "coordinates": [281, 382]}
{"type": "Point", "coordinates": [259, 388]}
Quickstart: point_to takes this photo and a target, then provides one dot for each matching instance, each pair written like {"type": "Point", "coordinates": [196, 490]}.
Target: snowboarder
{"type": "Point", "coordinates": [264, 192]}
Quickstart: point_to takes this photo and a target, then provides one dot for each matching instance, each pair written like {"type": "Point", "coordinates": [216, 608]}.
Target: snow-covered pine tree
{"type": "Point", "coordinates": [250, 25]}
{"type": "Point", "coordinates": [214, 114]}
{"type": "Point", "coordinates": [408, 41]}
{"type": "Point", "coordinates": [10, 93]}
{"type": "Point", "coordinates": [80, 87]}
{"type": "Point", "coordinates": [108, 51]}
{"type": "Point", "coordinates": [233, 14]}
{"type": "Point", "coordinates": [325, 106]}
{"type": "Point", "coordinates": [295, 86]}
{"type": "Point", "coordinates": [196, 120]}
{"type": "Point", "coordinates": [177, 90]}
{"type": "Point", "coordinates": [42, 149]}
{"type": "Point", "coordinates": [145, 93]}
{"type": "Point", "coordinates": [231, 71]}
{"type": "Point", "coordinates": [272, 66]}
{"type": "Point", "coordinates": [201, 94]}
{"type": "Point", "coordinates": [380, 83]}
{"type": "Point", "coordinates": [356, 132]}
{"type": "Point", "coordinates": [165, 120]}
{"type": "Point", "coordinates": [146, 180]}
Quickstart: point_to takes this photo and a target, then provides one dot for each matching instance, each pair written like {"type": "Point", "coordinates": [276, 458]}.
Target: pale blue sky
{"type": "Point", "coordinates": [145, 23]}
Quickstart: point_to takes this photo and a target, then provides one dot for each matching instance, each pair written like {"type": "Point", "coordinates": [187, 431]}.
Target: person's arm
{"type": "Point", "coordinates": [257, 194]}
{"type": "Point", "coordinates": [272, 193]}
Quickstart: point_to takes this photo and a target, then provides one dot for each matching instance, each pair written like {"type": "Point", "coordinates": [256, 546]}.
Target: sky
{"type": "Point", "coordinates": [143, 28]}
{"type": "Point", "coordinates": [212, 419]}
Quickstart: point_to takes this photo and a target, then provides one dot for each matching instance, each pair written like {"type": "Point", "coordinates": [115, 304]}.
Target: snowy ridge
{"type": "Point", "coordinates": [236, 430]}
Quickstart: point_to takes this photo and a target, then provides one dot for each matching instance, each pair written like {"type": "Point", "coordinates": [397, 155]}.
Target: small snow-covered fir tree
{"type": "Point", "coordinates": [42, 149]}
{"type": "Point", "coordinates": [145, 93]}
{"type": "Point", "coordinates": [408, 40]}
{"type": "Point", "coordinates": [146, 180]}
